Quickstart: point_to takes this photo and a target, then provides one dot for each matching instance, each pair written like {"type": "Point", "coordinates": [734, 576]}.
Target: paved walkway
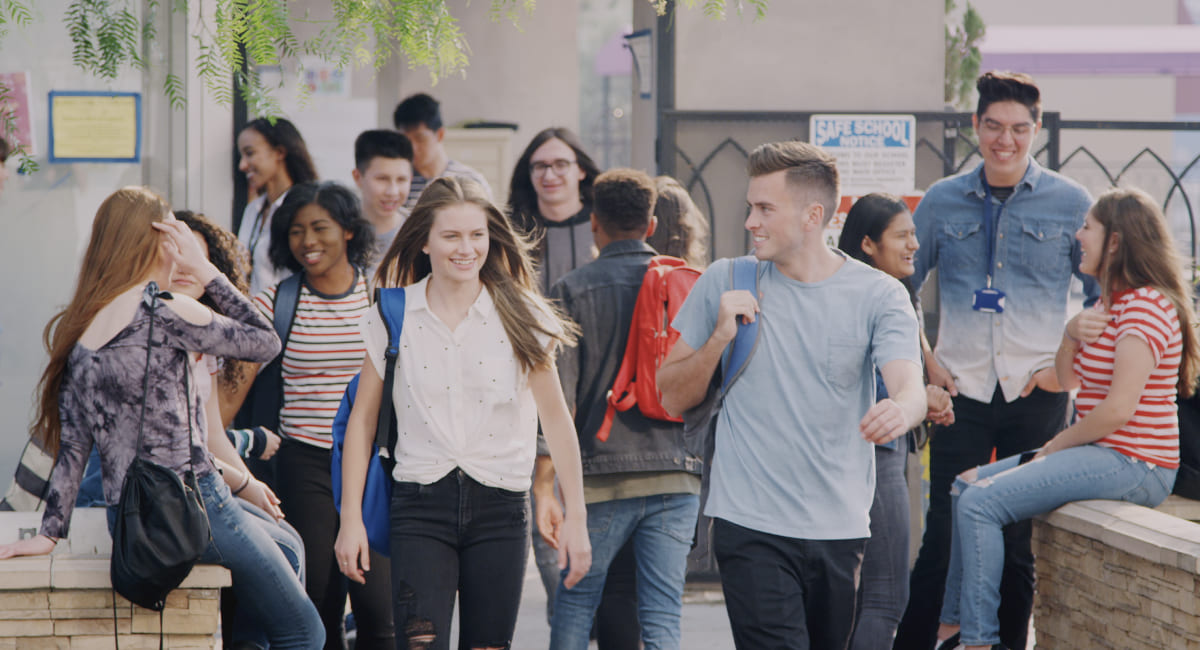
{"type": "Point", "coordinates": [705, 625]}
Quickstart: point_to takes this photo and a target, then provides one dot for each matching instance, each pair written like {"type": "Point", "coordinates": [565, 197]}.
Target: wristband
{"type": "Point", "coordinates": [245, 483]}
{"type": "Point", "coordinates": [259, 442]}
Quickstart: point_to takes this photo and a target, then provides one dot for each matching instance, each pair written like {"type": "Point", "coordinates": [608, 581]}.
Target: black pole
{"type": "Point", "coordinates": [664, 90]}
{"type": "Point", "coordinates": [240, 189]}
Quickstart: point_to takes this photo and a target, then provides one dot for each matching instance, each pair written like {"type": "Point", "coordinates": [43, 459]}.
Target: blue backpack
{"type": "Point", "coordinates": [377, 492]}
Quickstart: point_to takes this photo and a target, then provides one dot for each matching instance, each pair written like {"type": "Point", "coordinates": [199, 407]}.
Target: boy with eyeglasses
{"type": "Point", "coordinates": [1002, 237]}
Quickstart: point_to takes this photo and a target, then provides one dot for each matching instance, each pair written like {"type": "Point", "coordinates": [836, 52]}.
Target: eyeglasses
{"type": "Point", "coordinates": [994, 129]}
{"type": "Point", "coordinates": [559, 166]}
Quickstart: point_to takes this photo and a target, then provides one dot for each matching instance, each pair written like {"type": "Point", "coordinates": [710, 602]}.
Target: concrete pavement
{"type": "Point", "coordinates": [705, 625]}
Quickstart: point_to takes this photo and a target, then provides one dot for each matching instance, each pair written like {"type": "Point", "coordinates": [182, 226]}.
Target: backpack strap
{"type": "Point", "coordinates": [287, 297]}
{"type": "Point", "coordinates": [743, 275]}
{"type": "Point", "coordinates": [391, 308]}
{"type": "Point", "coordinates": [265, 399]}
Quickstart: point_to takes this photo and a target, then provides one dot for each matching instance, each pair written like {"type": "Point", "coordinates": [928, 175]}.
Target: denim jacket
{"type": "Point", "coordinates": [1035, 255]}
{"type": "Point", "coordinates": [600, 296]}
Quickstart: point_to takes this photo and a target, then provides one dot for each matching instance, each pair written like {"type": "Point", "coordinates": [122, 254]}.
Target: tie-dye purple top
{"type": "Point", "coordinates": [101, 396]}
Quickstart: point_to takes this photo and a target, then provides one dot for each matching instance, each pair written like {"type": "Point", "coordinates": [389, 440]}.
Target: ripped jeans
{"type": "Point", "coordinates": [457, 536]}
{"type": "Point", "coordinates": [1004, 492]}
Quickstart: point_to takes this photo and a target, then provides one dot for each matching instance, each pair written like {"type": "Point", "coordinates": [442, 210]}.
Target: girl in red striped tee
{"type": "Point", "coordinates": [1129, 356]}
{"type": "Point", "coordinates": [319, 233]}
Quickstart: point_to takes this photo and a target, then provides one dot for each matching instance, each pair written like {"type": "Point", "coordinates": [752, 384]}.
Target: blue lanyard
{"type": "Point", "coordinates": [989, 227]}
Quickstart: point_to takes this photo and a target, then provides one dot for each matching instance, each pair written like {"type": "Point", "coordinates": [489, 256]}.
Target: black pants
{"type": "Point", "coordinates": [617, 626]}
{"type": "Point", "coordinates": [456, 536]}
{"type": "Point", "coordinates": [786, 593]}
{"type": "Point", "coordinates": [1010, 428]}
{"type": "Point", "coordinates": [303, 484]}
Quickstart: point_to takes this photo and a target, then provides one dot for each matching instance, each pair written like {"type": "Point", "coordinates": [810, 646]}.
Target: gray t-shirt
{"type": "Point", "coordinates": [383, 242]}
{"type": "Point", "coordinates": [790, 459]}
{"type": "Point", "coordinates": [567, 245]}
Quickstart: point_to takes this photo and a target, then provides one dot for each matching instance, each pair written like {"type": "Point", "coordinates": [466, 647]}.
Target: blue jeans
{"type": "Point", "coordinates": [238, 623]}
{"type": "Point", "coordinates": [662, 527]}
{"type": "Point", "coordinates": [1005, 492]}
{"type": "Point", "coordinates": [264, 581]}
{"type": "Point", "coordinates": [91, 487]}
{"type": "Point", "coordinates": [883, 589]}
{"type": "Point", "coordinates": [1008, 428]}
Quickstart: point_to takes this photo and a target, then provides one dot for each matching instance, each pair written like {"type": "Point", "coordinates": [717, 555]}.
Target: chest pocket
{"type": "Point", "coordinates": [1045, 246]}
{"type": "Point", "coordinates": [492, 375]}
{"type": "Point", "coordinates": [844, 362]}
{"type": "Point", "coordinates": [961, 246]}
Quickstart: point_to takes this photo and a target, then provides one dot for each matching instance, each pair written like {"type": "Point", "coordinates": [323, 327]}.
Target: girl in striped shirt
{"type": "Point", "coordinates": [1128, 356]}
{"type": "Point", "coordinates": [319, 233]}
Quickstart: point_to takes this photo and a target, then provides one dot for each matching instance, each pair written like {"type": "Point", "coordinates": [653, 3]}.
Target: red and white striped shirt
{"type": "Point", "coordinates": [1152, 434]}
{"type": "Point", "coordinates": [324, 351]}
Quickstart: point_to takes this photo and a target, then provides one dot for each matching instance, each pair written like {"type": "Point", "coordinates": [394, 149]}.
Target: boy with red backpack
{"type": "Point", "coordinates": [640, 482]}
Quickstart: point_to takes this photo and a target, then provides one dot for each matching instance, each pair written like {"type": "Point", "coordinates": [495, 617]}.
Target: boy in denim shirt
{"type": "Point", "coordinates": [1002, 237]}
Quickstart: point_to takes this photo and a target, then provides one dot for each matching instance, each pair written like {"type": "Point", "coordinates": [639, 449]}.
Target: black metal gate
{"type": "Point", "coordinates": [707, 151]}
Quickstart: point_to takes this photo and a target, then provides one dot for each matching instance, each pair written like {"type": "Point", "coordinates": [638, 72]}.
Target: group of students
{"type": "Point", "coordinates": [477, 366]}
{"type": "Point", "coordinates": [515, 323]}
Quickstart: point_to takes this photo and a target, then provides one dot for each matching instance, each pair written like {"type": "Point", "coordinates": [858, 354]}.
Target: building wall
{"type": "Point", "coordinates": [810, 56]}
{"type": "Point", "coordinates": [1076, 12]}
{"type": "Point", "coordinates": [47, 216]}
{"type": "Point", "coordinates": [813, 55]}
{"type": "Point", "coordinates": [527, 74]}
{"type": "Point", "coordinates": [47, 219]}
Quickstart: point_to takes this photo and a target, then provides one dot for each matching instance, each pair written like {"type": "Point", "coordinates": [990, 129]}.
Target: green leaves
{"type": "Point", "coordinates": [963, 57]}
{"type": "Point", "coordinates": [8, 127]}
{"type": "Point", "coordinates": [715, 9]}
{"type": "Point", "coordinates": [106, 36]}
{"type": "Point", "coordinates": [234, 38]}
{"type": "Point", "coordinates": [173, 89]}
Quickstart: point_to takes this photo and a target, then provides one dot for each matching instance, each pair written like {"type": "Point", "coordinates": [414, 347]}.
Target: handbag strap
{"type": "Point", "coordinates": [152, 289]}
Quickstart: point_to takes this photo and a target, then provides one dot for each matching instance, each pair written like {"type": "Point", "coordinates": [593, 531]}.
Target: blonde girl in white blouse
{"type": "Point", "coordinates": [475, 372]}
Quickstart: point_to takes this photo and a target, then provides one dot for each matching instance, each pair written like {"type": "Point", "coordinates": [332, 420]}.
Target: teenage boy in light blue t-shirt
{"type": "Point", "coordinates": [793, 471]}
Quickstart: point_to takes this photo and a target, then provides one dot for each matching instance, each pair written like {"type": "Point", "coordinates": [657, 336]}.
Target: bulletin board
{"type": "Point", "coordinates": [88, 126]}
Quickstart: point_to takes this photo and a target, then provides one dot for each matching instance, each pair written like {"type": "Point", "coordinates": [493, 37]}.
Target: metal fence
{"type": "Point", "coordinates": [707, 151]}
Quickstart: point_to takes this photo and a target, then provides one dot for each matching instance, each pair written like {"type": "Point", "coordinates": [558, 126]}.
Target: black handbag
{"type": "Point", "coordinates": [162, 527]}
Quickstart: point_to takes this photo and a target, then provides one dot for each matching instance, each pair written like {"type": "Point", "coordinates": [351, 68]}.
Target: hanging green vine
{"type": "Point", "coordinates": [963, 57]}
{"type": "Point", "coordinates": [234, 37]}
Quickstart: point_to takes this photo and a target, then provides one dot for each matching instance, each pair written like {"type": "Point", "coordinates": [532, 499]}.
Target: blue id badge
{"type": "Point", "coordinates": [988, 300]}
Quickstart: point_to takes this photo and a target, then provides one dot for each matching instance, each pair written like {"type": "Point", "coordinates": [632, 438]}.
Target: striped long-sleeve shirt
{"type": "Point", "coordinates": [322, 354]}
{"type": "Point", "coordinates": [1152, 434]}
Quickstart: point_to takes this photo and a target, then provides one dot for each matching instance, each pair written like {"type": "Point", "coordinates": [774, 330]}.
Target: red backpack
{"type": "Point", "coordinates": [665, 286]}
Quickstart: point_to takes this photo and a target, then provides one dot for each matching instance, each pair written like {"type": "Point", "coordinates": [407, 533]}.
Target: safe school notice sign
{"type": "Point", "coordinates": [875, 153]}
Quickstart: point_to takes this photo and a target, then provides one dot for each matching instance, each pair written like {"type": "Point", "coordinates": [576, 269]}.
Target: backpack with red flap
{"type": "Point", "coordinates": [665, 286]}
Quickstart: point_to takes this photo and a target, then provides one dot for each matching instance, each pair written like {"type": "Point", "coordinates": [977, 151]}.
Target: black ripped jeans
{"type": "Point", "coordinates": [457, 536]}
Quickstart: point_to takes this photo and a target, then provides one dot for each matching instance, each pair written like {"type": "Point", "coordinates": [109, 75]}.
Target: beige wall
{"type": "Point", "coordinates": [527, 74]}
{"type": "Point", "coordinates": [47, 216]}
{"type": "Point", "coordinates": [1076, 12]}
{"type": "Point", "coordinates": [47, 219]}
{"type": "Point", "coordinates": [815, 55]}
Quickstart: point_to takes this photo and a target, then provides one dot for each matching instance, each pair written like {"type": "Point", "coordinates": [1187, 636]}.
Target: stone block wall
{"type": "Point", "coordinates": [1116, 575]}
{"type": "Point", "coordinates": [65, 600]}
